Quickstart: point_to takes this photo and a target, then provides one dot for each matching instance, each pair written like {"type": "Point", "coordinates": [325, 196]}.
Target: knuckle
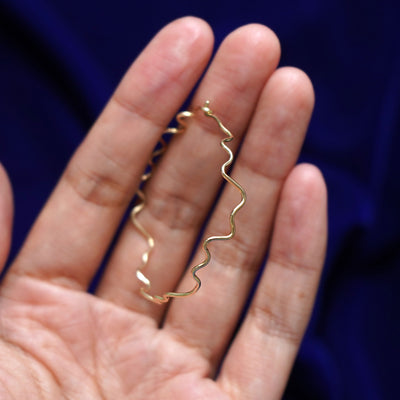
{"type": "Point", "coordinates": [238, 252]}
{"type": "Point", "coordinates": [274, 323]}
{"type": "Point", "coordinates": [138, 111]}
{"type": "Point", "coordinates": [103, 187]}
{"type": "Point", "coordinates": [288, 261]}
{"type": "Point", "coordinates": [174, 209]}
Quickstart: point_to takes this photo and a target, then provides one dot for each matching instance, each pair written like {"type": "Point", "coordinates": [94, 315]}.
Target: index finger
{"type": "Point", "coordinates": [74, 230]}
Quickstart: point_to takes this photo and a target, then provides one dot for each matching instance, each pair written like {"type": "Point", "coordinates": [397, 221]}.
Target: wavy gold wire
{"type": "Point", "coordinates": [145, 291]}
{"type": "Point", "coordinates": [181, 119]}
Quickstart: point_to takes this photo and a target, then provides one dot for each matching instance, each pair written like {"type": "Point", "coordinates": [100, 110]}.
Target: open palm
{"type": "Point", "coordinates": [58, 341]}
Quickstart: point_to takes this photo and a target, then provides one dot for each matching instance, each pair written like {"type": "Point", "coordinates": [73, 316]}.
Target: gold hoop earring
{"type": "Point", "coordinates": [182, 122]}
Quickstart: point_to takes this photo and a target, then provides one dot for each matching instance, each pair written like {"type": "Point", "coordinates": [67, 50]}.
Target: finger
{"type": "Point", "coordinates": [261, 357]}
{"type": "Point", "coordinates": [71, 235]}
{"type": "Point", "coordinates": [269, 152]}
{"type": "Point", "coordinates": [187, 180]}
{"type": "Point", "coordinates": [6, 216]}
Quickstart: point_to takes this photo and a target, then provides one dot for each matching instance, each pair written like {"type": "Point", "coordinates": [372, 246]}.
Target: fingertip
{"type": "Point", "coordinates": [305, 191]}
{"type": "Point", "coordinates": [262, 41]}
{"type": "Point", "coordinates": [242, 65]}
{"type": "Point", "coordinates": [309, 180]}
{"type": "Point", "coordinates": [302, 215]}
{"type": "Point", "coordinates": [169, 66]}
{"type": "Point", "coordinates": [6, 215]}
{"type": "Point", "coordinates": [196, 31]}
{"type": "Point", "coordinates": [282, 118]}
{"type": "Point", "coordinates": [6, 198]}
{"type": "Point", "coordinates": [298, 86]}
{"type": "Point", "coordinates": [195, 26]}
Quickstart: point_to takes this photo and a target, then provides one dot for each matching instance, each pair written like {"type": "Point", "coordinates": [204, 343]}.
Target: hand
{"type": "Point", "coordinates": [58, 341]}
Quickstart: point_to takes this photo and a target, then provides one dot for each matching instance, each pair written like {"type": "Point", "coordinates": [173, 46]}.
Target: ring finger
{"type": "Point", "coordinates": [267, 156]}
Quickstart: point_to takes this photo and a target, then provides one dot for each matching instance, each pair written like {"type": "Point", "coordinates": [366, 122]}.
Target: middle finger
{"type": "Point", "coordinates": [184, 186]}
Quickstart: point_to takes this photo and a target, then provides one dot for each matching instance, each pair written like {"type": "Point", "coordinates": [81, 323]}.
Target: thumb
{"type": "Point", "coordinates": [6, 216]}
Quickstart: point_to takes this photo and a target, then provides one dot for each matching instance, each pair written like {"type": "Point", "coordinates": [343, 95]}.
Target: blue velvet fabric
{"type": "Point", "coordinates": [61, 59]}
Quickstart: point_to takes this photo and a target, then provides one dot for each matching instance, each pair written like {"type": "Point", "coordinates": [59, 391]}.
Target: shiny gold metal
{"type": "Point", "coordinates": [145, 290]}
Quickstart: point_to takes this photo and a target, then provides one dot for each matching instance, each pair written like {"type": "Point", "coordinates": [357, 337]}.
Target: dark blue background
{"type": "Point", "coordinates": [61, 59]}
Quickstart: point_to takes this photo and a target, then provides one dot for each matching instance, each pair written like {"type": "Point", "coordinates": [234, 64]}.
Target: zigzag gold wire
{"type": "Point", "coordinates": [145, 291]}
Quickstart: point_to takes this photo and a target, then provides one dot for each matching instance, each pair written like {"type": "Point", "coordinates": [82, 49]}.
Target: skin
{"type": "Point", "coordinates": [59, 342]}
